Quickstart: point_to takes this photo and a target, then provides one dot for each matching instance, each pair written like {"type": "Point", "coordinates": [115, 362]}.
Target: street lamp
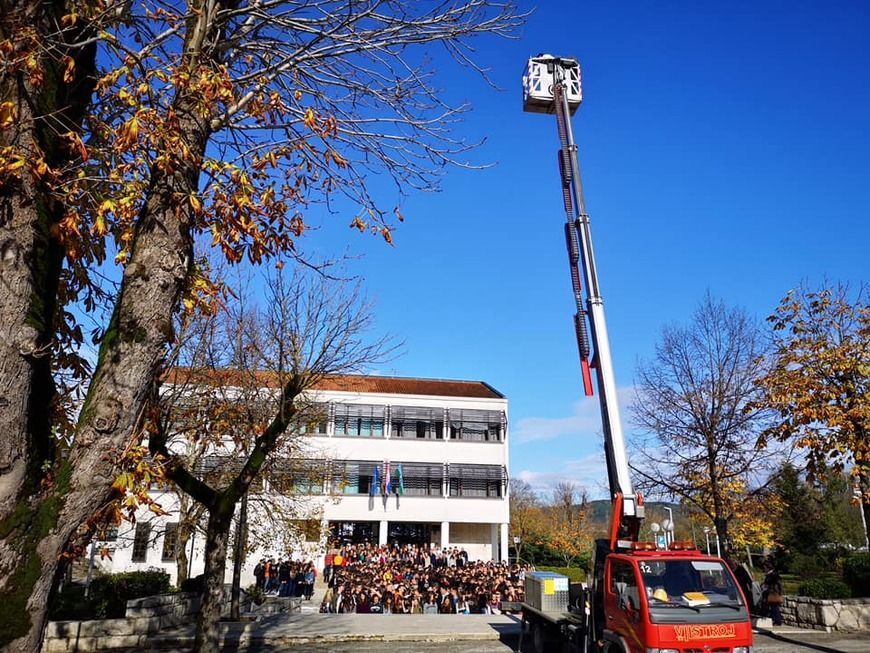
{"type": "Point", "coordinates": [668, 528]}
{"type": "Point", "coordinates": [707, 535]}
{"type": "Point", "coordinates": [517, 547]}
{"type": "Point", "coordinates": [654, 529]}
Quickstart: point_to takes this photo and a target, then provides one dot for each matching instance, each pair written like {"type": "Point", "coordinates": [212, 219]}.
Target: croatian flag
{"type": "Point", "coordinates": [374, 483]}
{"type": "Point", "coordinates": [387, 482]}
{"type": "Point", "coordinates": [400, 477]}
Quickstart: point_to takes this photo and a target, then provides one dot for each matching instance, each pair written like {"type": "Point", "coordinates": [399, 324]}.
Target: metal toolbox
{"type": "Point", "coordinates": [546, 591]}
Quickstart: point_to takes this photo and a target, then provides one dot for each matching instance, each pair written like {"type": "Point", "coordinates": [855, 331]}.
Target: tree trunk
{"type": "Point", "coordinates": [208, 622]}
{"type": "Point", "coordinates": [721, 525]}
{"type": "Point", "coordinates": [31, 256]}
{"type": "Point", "coordinates": [182, 562]}
{"type": "Point", "coordinates": [129, 359]}
{"type": "Point", "coordinates": [30, 264]}
{"type": "Point", "coordinates": [239, 558]}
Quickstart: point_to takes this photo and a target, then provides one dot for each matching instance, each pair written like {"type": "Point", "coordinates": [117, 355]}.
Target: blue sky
{"type": "Point", "coordinates": [724, 147]}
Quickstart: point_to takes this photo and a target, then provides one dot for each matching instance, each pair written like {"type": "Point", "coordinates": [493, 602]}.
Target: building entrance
{"type": "Point", "coordinates": [409, 533]}
{"type": "Point", "coordinates": [355, 532]}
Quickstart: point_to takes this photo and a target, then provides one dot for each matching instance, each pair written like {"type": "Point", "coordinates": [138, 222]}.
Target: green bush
{"type": "Point", "coordinates": [856, 573]}
{"type": "Point", "coordinates": [574, 574]}
{"type": "Point", "coordinates": [110, 593]}
{"type": "Point", "coordinates": [108, 596]}
{"type": "Point", "coordinates": [824, 588]}
{"type": "Point", "coordinates": [807, 566]}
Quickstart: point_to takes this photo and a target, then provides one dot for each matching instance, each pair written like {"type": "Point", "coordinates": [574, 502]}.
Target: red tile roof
{"type": "Point", "coordinates": [408, 386]}
{"type": "Point", "coordinates": [347, 383]}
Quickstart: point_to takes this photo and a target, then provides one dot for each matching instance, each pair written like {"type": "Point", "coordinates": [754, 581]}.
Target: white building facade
{"type": "Point", "coordinates": [442, 444]}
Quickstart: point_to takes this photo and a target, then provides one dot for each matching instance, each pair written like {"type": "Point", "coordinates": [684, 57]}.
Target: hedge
{"type": "Point", "coordinates": [108, 595]}
{"type": "Point", "coordinates": [824, 588]}
{"type": "Point", "coordinates": [856, 573]}
{"type": "Point", "coordinates": [574, 574]}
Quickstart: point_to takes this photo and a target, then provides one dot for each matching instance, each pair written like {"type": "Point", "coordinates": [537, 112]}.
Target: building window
{"type": "Point", "coordinates": [170, 542]}
{"type": "Point", "coordinates": [416, 423]}
{"type": "Point", "coordinates": [140, 542]}
{"type": "Point", "coordinates": [355, 477]}
{"type": "Point", "coordinates": [486, 481]}
{"type": "Point", "coordinates": [420, 479]}
{"type": "Point", "coordinates": [303, 477]}
{"type": "Point", "coordinates": [312, 419]}
{"type": "Point", "coordinates": [474, 487]}
{"type": "Point", "coordinates": [477, 425]}
{"type": "Point", "coordinates": [359, 420]}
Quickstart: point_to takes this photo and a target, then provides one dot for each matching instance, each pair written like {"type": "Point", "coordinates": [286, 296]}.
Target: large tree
{"type": "Point", "coordinates": [214, 119]}
{"type": "Point", "coordinates": [698, 429]}
{"type": "Point", "coordinates": [819, 381]}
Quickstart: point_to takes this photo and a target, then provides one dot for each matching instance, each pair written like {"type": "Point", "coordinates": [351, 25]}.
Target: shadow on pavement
{"type": "Point", "coordinates": [801, 644]}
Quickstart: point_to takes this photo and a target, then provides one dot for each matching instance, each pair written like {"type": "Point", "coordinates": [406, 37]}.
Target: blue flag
{"type": "Point", "coordinates": [373, 485]}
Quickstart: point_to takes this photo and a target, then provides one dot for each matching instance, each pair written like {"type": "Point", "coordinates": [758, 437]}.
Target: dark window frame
{"type": "Point", "coordinates": [141, 542]}
{"type": "Point", "coordinates": [170, 542]}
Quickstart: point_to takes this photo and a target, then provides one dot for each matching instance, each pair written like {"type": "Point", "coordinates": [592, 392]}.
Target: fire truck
{"type": "Point", "coordinates": [640, 598]}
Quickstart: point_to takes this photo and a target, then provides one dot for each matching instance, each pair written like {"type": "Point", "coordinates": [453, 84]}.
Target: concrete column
{"type": "Point", "coordinates": [383, 531]}
{"type": "Point", "coordinates": [493, 542]}
{"type": "Point", "coordinates": [503, 543]}
{"type": "Point", "coordinates": [445, 534]}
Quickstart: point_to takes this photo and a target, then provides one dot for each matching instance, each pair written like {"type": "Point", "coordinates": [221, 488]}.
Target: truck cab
{"type": "Point", "coordinates": [675, 601]}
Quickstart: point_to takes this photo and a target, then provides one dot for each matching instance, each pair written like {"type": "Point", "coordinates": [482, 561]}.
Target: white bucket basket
{"type": "Point", "coordinates": [538, 78]}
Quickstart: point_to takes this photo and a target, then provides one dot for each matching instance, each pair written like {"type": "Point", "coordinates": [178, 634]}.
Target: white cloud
{"type": "Point", "coordinates": [589, 472]}
{"type": "Point", "coordinates": [585, 418]}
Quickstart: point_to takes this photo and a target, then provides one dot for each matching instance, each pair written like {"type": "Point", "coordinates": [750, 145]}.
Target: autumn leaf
{"type": "Point", "coordinates": [69, 69]}
{"type": "Point", "coordinates": [123, 482]}
{"type": "Point", "coordinates": [310, 120]}
{"type": "Point", "coordinates": [8, 114]}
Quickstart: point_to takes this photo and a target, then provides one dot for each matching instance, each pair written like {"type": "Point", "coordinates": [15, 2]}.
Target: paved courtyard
{"type": "Point", "coordinates": [786, 640]}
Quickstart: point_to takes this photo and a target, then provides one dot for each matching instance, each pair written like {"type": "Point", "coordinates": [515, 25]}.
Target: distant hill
{"type": "Point", "coordinates": [599, 510]}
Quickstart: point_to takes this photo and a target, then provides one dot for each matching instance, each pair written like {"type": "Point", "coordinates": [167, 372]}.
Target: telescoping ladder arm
{"type": "Point", "coordinates": [628, 509]}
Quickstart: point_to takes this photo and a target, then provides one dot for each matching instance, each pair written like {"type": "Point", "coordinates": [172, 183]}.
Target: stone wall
{"type": "Point", "coordinates": [143, 618]}
{"type": "Point", "coordinates": [827, 614]}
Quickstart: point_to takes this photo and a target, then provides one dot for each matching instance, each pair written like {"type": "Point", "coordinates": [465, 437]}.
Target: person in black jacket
{"type": "Point", "coordinates": [773, 593]}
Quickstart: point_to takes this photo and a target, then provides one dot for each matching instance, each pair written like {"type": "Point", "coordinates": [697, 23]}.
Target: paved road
{"type": "Point", "coordinates": [785, 642]}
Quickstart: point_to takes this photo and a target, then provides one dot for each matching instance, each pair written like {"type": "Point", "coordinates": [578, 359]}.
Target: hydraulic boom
{"type": "Point", "coordinates": [565, 77]}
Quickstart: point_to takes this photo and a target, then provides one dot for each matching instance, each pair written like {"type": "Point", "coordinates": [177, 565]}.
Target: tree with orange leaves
{"type": "Point", "coordinates": [819, 382]}
{"type": "Point", "coordinates": [130, 131]}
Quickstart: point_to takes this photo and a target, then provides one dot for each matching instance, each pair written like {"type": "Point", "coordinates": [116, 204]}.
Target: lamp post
{"type": "Point", "coordinates": [668, 528]}
{"type": "Point", "coordinates": [858, 494]}
{"type": "Point", "coordinates": [707, 535]}
{"type": "Point", "coordinates": [670, 522]}
{"type": "Point", "coordinates": [517, 548]}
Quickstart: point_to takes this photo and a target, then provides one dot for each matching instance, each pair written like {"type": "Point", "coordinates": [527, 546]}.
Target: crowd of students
{"type": "Point", "coordinates": [412, 579]}
{"type": "Point", "coordinates": [285, 577]}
